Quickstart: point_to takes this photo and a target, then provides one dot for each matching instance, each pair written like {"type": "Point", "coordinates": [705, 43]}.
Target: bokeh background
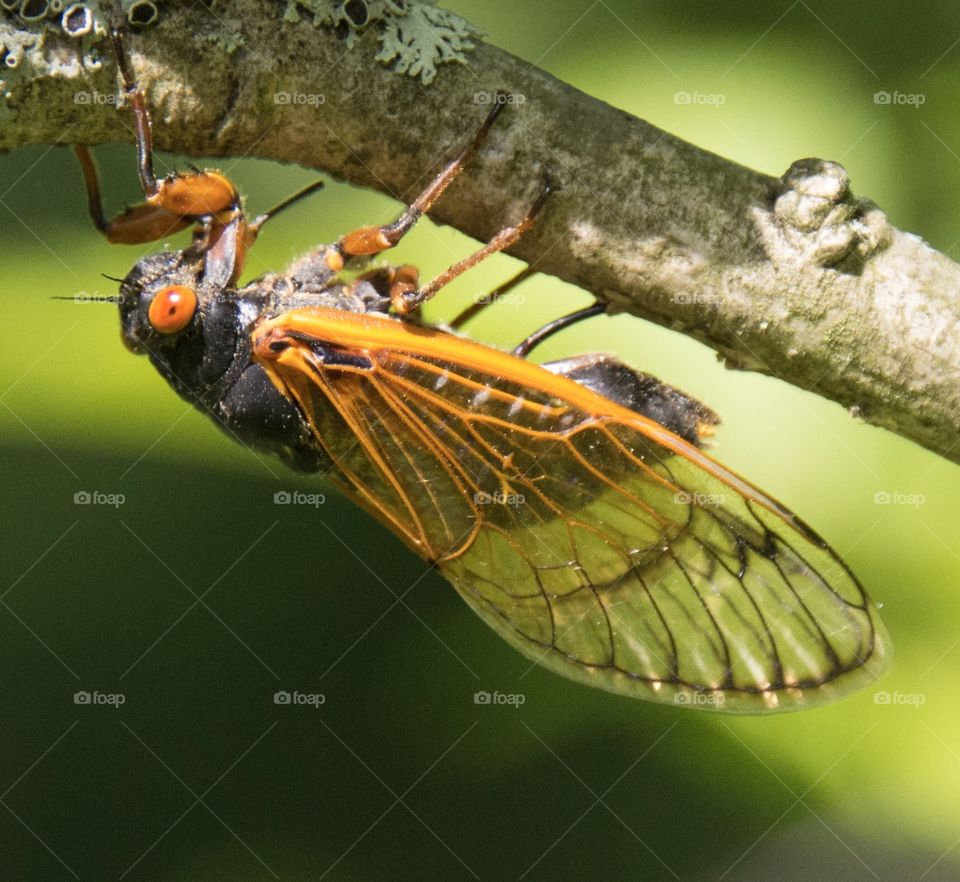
{"type": "Point", "coordinates": [399, 774]}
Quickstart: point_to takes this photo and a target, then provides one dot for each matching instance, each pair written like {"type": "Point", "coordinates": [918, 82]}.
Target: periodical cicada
{"type": "Point", "coordinates": [568, 503]}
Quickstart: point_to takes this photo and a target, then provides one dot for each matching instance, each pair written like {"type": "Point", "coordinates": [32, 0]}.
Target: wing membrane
{"type": "Point", "coordinates": [594, 540]}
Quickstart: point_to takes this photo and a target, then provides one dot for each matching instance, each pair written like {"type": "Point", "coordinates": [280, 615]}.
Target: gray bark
{"type": "Point", "coordinates": [794, 276]}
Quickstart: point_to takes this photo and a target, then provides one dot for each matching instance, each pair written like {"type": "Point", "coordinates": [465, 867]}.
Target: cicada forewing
{"type": "Point", "coordinates": [595, 541]}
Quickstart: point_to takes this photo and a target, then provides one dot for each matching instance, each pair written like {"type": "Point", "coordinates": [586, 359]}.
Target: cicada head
{"type": "Point", "coordinates": [193, 330]}
{"type": "Point", "coordinates": [138, 291]}
{"type": "Point", "coordinates": [196, 331]}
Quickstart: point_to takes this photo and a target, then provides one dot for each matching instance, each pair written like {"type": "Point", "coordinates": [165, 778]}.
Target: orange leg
{"type": "Point", "coordinates": [373, 240]}
{"type": "Point", "coordinates": [172, 203]}
{"type": "Point", "coordinates": [479, 306]}
{"type": "Point", "coordinates": [192, 195]}
{"type": "Point", "coordinates": [406, 301]}
{"type": "Point", "coordinates": [141, 223]}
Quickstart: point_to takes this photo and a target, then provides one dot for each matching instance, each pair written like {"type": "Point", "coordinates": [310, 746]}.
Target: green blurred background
{"type": "Point", "coordinates": [199, 775]}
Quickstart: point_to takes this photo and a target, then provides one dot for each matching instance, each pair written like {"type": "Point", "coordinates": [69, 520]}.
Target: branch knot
{"type": "Point", "coordinates": [816, 220]}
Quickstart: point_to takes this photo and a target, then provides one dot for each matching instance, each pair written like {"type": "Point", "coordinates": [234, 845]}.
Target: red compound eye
{"type": "Point", "coordinates": [172, 308]}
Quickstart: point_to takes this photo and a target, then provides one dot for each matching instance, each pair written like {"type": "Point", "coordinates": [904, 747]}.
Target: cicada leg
{"type": "Point", "coordinates": [225, 246]}
{"type": "Point", "coordinates": [172, 203]}
{"type": "Point", "coordinates": [194, 195]}
{"type": "Point", "coordinates": [139, 224]}
{"type": "Point", "coordinates": [524, 348]}
{"type": "Point", "coordinates": [472, 311]}
{"type": "Point", "coordinates": [407, 301]}
{"type": "Point", "coordinates": [254, 227]}
{"type": "Point", "coordinates": [367, 241]}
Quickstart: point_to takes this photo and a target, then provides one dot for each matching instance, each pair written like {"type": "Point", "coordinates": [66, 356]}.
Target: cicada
{"type": "Point", "coordinates": [570, 504]}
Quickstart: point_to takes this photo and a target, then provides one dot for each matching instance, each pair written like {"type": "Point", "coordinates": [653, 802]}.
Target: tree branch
{"type": "Point", "coordinates": [793, 276]}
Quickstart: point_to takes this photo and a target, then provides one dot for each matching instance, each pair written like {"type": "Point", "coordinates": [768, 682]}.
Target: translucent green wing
{"type": "Point", "coordinates": [596, 542]}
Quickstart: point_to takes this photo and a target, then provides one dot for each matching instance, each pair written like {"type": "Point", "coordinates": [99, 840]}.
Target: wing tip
{"type": "Point", "coordinates": [781, 699]}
